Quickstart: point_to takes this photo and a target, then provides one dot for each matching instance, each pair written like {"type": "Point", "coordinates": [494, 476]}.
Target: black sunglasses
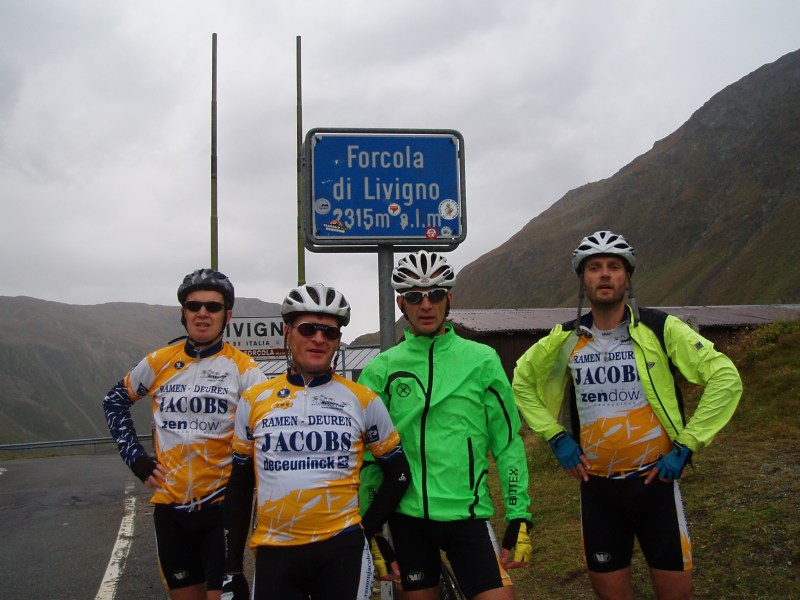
{"type": "Point", "coordinates": [195, 306]}
{"type": "Point", "coordinates": [331, 332]}
{"type": "Point", "coordinates": [435, 295]}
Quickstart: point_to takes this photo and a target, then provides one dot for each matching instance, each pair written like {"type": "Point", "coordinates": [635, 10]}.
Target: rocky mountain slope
{"type": "Point", "coordinates": [711, 211]}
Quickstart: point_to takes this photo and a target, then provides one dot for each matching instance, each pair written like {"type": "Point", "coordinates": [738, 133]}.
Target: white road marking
{"type": "Point", "coordinates": [116, 565]}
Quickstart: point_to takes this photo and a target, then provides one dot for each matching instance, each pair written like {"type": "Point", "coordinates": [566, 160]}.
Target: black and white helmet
{"type": "Point", "coordinates": [316, 298]}
{"type": "Point", "coordinates": [603, 242]}
{"type": "Point", "coordinates": [206, 279]}
{"type": "Point", "coordinates": [423, 269]}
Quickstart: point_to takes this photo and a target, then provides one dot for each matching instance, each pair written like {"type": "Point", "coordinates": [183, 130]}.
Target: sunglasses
{"type": "Point", "coordinates": [195, 306]}
{"type": "Point", "coordinates": [309, 330]}
{"type": "Point", "coordinates": [434, 295]}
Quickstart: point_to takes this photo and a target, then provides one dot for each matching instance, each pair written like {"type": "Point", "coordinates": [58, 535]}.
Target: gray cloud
{"type": "Point", "coordinates": [105, 121]}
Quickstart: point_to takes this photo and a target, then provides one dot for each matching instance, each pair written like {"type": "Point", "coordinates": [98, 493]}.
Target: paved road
{"type": "Point", "coordinates": [59, 519]}
{"type": "Point", "coordinates": [59, 523]}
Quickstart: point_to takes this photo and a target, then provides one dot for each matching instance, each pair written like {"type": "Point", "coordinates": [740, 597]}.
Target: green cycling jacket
{"type": "Point", "coordinates": [452, 404]}
{"type": "Point", "coordinates": [542, 374]}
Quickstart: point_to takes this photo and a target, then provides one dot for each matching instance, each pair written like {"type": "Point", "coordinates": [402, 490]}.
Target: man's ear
{"type": "Point", "coordinates": [401, 304]}
{"type": "Point", "coordinates": [228, 316]}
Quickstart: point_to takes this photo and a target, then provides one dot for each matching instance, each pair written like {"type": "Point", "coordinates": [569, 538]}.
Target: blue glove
{"type": "Point", "coordinates": [566, 450]}
{"type": "Point", "coordinates": [671, 466]}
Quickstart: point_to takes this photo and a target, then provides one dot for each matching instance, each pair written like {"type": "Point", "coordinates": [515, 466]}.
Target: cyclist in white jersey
{"type": "Point", "coordinates": [606, 380]}
{"type": "Point", "coordinates": [195, 388]}
{"type": "Point", "coordinates": [300, 439]}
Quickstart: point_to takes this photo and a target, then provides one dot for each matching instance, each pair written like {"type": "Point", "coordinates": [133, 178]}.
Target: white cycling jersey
{"type": "Point", "coordinates": [308, 445]}
{"type": "Point", "coordinates": [195, 395]}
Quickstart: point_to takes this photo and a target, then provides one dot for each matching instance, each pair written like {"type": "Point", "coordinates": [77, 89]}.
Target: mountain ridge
{"type": "Point", "coordinates": [733, 166]}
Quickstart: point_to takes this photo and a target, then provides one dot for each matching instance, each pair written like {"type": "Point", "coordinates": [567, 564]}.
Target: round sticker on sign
{"type": "Point", "coordinates": [394, 209]}
{"type": "Point", "coordinates": [431, 233]}
{"type": "Point", "coordinates": [448, 209]}
{"type": "Point", "coordinates": [322, 206]}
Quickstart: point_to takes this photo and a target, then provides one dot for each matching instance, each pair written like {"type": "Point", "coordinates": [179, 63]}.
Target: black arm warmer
{"type": "Point", "coordinates": [396, 479]}
{"type": "Point", "coordinates": [238, 511]}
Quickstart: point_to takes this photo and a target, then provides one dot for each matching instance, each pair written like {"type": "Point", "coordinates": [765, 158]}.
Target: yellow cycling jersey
{"type": "Point", "coordinates": [307, 445]}
{"type": "Point", "coordinates": [195, 396]}
{"type": "Point", "coordinates": [620, 433]}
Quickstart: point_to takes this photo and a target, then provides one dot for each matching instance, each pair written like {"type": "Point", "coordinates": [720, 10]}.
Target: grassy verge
{"type": "Point", "coordinates": [742, 499]}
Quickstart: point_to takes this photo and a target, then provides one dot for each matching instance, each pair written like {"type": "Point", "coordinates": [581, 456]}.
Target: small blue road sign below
{"type": "Point", "coordinates": [383, 187]}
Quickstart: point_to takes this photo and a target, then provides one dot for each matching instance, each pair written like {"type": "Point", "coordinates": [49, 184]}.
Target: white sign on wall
{"type": "Point", "coordinates": [260, 337]}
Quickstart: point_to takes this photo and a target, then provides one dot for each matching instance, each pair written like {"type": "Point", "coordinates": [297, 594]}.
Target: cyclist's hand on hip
{"type": "Point", "coordinates": [151, 472]}
{"type": "Point", "coordinates": [234, 587]}
{"type": "Point", "coordinates": [517, 547]}
{"type": "Point", "coordinates": [671, 466]}
{"type": "Point", "coordinates": [570, 455]}
{"type": "Point", "coordinates": [384, 558]}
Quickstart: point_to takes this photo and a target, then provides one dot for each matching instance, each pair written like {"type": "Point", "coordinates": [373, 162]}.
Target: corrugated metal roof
{"type": "Point", "coordinates": [356, 358]}
{"type": "Point", "coordinates": [543, 319]}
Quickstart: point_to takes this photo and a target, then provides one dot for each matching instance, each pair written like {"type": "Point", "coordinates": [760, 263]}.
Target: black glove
{"type": "Point", "coordinates": [234, 587]}
{"type": "Point", "coordinates": [517, 537]}
{"type": "Point", "coordinates": [144, 466]}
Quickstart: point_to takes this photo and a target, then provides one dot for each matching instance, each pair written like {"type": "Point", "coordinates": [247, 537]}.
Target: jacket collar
{"type": "Point", "coordinates": [297, 379]}
{"type": "Point", "coordinates": [587, 320]}
{"type": "Point", "coordinates": [202, 352]}
{"type": "Point", "coordinates": [425, 341]}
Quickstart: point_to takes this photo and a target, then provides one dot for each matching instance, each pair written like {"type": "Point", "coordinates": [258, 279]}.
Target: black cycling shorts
{"type": "Point", "coordinates": [614, 511]}
{"type": "Point", "coordinates": [470, 546]}
{"type": "Point", "coordinates": [191, 546]}
{"type": "Point", "coordinates": [339, 568]}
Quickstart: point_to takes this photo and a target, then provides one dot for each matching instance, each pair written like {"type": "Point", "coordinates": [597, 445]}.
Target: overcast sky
{"type": "Point", "coordinates": [105, 121]}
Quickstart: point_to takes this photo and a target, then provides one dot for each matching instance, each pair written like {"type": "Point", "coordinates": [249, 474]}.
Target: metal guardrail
{"type": "Point", "coordinates": [79, 446]}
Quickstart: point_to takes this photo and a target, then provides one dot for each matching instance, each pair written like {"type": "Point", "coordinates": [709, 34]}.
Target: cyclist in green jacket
{"type": "Point", "coordinates": [601, 391]}
{"type": "Point", "coordinates": [452, 404]}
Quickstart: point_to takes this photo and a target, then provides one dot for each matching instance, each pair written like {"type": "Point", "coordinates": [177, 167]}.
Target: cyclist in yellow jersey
{"type": "Point", "coordinates": [195, 387]}
{"type": "Point", "coordinates": [300, 439]}
{"type": "Point", "coordinates": [601, 391]}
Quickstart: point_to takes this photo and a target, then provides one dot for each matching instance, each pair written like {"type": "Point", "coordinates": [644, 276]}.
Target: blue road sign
{"type": "Point", "coordinates": [370, 187]}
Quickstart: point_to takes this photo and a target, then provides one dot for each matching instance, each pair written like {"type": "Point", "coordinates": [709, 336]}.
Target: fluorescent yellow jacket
{"type": "Point", "coordinates": [542, 374]}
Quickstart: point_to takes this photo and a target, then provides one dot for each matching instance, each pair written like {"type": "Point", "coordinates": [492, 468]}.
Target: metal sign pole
{"type": "Point", "coordinates": [386, 296]}
{"type": "Point", "coordinates": [301, 257]}
{"type": "Point", "coordinates": [214, 233]}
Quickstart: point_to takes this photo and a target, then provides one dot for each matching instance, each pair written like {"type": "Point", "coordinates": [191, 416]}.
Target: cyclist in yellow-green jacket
{"type": "Point", "coordinates": [601, 391]}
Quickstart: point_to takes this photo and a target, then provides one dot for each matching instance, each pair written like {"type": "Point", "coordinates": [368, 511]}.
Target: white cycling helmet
{"type": "Point", "coordinates": [423, 269]}
{"type": "Point", "coordinates": [603, 242]}
{"type": "Point", "coordinates": [315, 298]}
